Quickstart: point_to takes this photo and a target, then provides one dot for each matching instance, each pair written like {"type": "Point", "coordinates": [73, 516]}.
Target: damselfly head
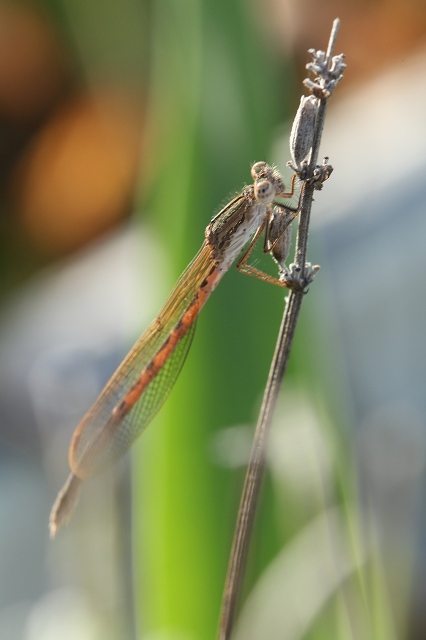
{"type": "Point", "coordinates": [263, 171]}
{"type": "Point", "coordinates": [264, 191]}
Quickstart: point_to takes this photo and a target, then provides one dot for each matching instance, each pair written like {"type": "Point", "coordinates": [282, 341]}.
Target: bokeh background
{"type": "Point", "coordinates": [123, 128]}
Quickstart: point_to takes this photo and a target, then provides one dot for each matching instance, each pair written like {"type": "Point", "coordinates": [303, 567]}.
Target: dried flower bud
{"type": "Point", "coordinates": [302, 132]}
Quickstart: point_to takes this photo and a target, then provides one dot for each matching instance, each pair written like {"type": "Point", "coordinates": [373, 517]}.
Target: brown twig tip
{"type": "Point", "coordinates": [327, 69]}
{"type": "Point", "coordinates": [333, 37]}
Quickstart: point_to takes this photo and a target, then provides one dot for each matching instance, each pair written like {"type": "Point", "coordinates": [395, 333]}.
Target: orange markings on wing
{"type": "Point", "coordinates": [142, 382]}
{"type": "Point", "coordinates": [158, 361]}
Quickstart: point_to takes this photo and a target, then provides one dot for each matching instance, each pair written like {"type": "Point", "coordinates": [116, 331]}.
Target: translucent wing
{"type": "Point", "coordinates": [142, 382]}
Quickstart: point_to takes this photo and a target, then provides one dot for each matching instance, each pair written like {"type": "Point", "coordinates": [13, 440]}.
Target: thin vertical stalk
{"type": "Point", "coordinates": [256, 465]}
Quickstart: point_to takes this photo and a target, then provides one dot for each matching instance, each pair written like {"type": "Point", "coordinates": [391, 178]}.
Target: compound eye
{"type": "Point", "coordinates": [264, 191]}
{"type": "Point", "coordinates": [257, 169]}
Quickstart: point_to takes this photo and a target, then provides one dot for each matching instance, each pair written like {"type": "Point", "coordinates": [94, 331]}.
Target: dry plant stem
{"type": "Point", "coordinates": [256, 466]}
{"type": "Point", "coordinates": [277, 371]}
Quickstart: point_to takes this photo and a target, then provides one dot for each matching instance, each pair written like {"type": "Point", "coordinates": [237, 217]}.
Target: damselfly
{"type": "Point", "coordinates": [142, 382]}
